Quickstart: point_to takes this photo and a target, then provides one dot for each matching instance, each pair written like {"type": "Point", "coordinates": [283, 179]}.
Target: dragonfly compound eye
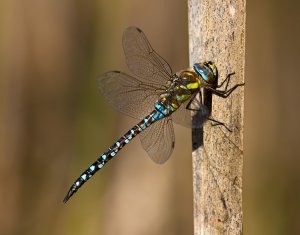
{"type": "Point", "coordinates": [207, 71]}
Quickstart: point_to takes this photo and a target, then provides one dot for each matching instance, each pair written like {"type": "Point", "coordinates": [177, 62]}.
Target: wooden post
{"type": "Point", "coordinates": [217, 33]}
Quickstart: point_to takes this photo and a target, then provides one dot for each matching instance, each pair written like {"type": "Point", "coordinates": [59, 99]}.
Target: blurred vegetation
{"type": "Point", "coordinates": [54, 123]}
{"type": "Point", "coordinates": [272, 155]}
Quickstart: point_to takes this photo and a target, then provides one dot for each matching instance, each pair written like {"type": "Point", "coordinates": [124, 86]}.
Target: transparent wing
{"type": "Point", "coordinates": [128, 94]}
{"type": "Point", "coordinates": [142, 60]}
{"type": "Point", "coordinates": [158, 140]}
{"type": "Point", "coordinates": [194, 118]}
{"type": "Point", "coordinates": [183, 116]}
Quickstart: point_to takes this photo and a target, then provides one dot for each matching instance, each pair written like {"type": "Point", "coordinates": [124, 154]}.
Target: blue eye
{"type": "Point", "coordinates": [203, 71]}
{"type": "Point", "coordinates": [207, 71]}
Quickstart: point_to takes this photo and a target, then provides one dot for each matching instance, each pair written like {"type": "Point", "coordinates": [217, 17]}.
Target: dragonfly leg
{"type": "Point", "coordinates": [227, 79]}
{"type": "Point", "coordinates": [215, 122]}
{"type": "Point", "coordinates": [189, 107]}
{"type": "Point", "coordinates": [224, 93]}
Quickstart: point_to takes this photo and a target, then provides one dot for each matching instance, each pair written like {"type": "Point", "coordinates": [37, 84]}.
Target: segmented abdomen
{"type": "Point", "coordinates": [154, 116]}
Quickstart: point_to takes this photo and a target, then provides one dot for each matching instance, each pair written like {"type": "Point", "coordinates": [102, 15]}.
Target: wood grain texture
{"type": "Point", "coordinates": [217, 33]}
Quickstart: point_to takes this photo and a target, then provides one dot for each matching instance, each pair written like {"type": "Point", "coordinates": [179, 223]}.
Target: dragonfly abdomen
{"type": "Point", "coordinates": [154, 116]}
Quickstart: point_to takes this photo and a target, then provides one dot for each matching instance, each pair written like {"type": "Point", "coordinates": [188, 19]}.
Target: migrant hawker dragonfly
{"type": "Point", "coordinates": [156, 96]}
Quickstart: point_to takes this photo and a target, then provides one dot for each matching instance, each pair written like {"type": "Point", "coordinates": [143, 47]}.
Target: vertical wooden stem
{"type": "Point", "coordinates": [217, 33]}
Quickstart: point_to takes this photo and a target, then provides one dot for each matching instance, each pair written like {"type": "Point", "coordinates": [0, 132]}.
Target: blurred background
{"type": "Point", "coordinates": [54, 122]}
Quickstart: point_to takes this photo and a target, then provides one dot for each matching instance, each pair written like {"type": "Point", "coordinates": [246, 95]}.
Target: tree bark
{"type": "Point", "coordinates": [217, 33]}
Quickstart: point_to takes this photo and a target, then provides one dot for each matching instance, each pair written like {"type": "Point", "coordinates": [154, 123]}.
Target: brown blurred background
{"type": "Point", "coordinates": [54, 123]}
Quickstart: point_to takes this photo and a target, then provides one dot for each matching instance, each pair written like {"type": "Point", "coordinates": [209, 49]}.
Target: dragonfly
{"type": "Point", "coordinates": [156, 96]}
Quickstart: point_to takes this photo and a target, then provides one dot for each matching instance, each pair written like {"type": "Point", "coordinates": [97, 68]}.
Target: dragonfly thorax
{"type": "Point", "coordinates": [188, 80]}
{"type": "Point", "coordinates": [179, 89]}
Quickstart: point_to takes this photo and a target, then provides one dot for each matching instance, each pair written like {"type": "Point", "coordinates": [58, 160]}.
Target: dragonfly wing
{"type": "Point", "coordinates": [158, 140]}
{"type": "Point", "coordinates": [190, 118]}
{"type": "Point", "coordinates": [142, 60]}
{"type": "Point", "coordinates": [128, 94]}
{"type": "Point", "coordinates": [193, 116]}
{"type": "Point", "coordinates": [182, 116]}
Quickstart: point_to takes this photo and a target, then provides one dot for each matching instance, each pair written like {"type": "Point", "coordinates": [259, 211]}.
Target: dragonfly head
{"type": "Point", "coordinates": [207, 71]}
